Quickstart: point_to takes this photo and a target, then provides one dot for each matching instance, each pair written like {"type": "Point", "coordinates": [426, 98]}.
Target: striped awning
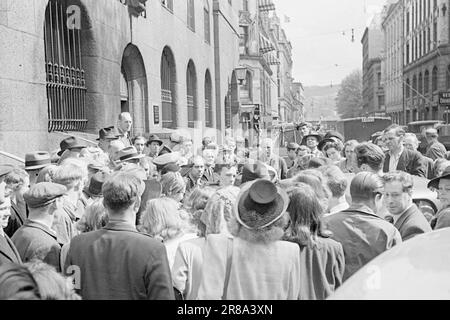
{"type": "Point", "coordinates": [266, 5]}
{"type": "Point", "coordinates": [265, 45]}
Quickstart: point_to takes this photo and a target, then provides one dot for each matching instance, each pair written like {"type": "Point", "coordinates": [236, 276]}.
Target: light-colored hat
{"type": "Point", "coordinates": [129, 153]}
{"type": "Point", "coordinates": [167, 158]}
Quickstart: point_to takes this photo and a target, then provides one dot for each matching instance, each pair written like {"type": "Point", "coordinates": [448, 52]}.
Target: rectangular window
{"type": "Point", "coordinates": [191, 15]}
{"type": "Point", "coordinates": [435, 35]}
{"type": "Point", "coordinates": [207, 26]}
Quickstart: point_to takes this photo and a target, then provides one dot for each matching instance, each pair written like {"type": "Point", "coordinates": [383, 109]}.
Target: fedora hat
{"type": "Point", "coordinates": [69, 144]}
{"type": "Point", "coordinates": [154, 138]}
{"type": "Point", "coordinates": [434, 183]}
{"type": "Point", "coordinates": [292, 146]}
{"type": "Point", "coordinates": [107, 134]}
{"type": "Point", "coordinates": [129, 153]}
{"type": "Point", "coordinates": [312, 134]}
{"type": "Point", "coordinates": [164, 150]}
{"type": "Point", "coordinates": [37, 160]}
{"type": "Point", "coordinates": [95, 185]}
{"type": "Point", "coordinates": [260, 204]}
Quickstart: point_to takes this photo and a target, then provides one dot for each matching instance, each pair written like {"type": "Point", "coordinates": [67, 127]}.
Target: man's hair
{"type": "Point", "coordinates": [412, 135]}
{"type": "Point", "coordinates": [121, 191]}
{"type": "Point", "coordinates": [71, 172]}
{"type": "Point", "coordinates": [336, 180]}
{"type": "Point", "coordinates": [123, 114]}
{"type": "Point", "coordinates": [399, 130]}
{"type": "Point", "coordinates": [172, 183]}
{"type": "Point", "coordinates": [365, 186]}
{"type": "Point", "coordinates": [370, 154]}
{"type": "Point", "coordinates": [18, 175]}
{"type": "Point", "coordinates": [400, 176]}
{"type": "Point", "coordinates": [196, 159]}
{"type": "Point", "coordinates": [133, 141]}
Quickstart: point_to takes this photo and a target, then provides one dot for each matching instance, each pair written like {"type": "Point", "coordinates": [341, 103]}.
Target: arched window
{"type": "Point", "coordinates": [207, 22]}
{"type": "Point", "coordinates": [191, 15]}
{"type": "Point", "coordinates": [426, 82]}
{"type": "Point", "coordinates": [447, 76]}
{"type": "Point", "coordinates": [420, 87]}
{"type": "Point", "coordinates": [434, 79]}
{"type": "Point", "coordinates": [168, 89]}
{"type": "Point", "coordinates": [414, 86]}
{"type": "Point", "coordinates": [191, 83]}
{"type": "Point", "coordinates": [407, 88]}
{"type": "Point", "coordinates": [66, 85]}
{"type": "Point", "coordinates": [208, 100]}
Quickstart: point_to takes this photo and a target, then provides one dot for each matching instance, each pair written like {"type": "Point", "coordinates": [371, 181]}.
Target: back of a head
{"type": "Point", "coordinates": [70, 173]}
{"type": "Point", "coordinates": [198, 198]}
{"type": "Point", "coordinates": [371, 155]}
{"type": "Point", "coordinates": [336, 180]}
{"type": "Point", "coordinates": [17, 283]}
{"type": "Point", "coordinates": [52, 285]}
{"type": "Point", "coordinates": [121, 190]}
{"type": "Point", "coordinates": [172, 183]}
{"type": "Point", "coordinates": [94, 217]}
{"type": "Point", "coordinates": [365, 186]}
{"type": "Point", "coordinates": [315, 180]}
{"type": "Point", "coordinates": [399, 130]}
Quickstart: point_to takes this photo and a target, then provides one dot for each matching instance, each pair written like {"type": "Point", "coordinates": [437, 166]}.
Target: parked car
{"type": "Point", "coordinates": [416, 269]}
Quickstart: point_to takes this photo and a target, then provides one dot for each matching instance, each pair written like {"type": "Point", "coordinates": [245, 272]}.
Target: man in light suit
{"type": "Point", "coordinates": [407, 218]}
{"type": "Point", "coordinates": [398, 158]}
{"type": "Point", "coordinates": [117, 262]}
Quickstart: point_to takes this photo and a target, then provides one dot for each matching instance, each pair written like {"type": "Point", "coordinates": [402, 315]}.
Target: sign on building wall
{"type": "Point", "coordinates": [444, 98]}
{"type": "Point", "coordinates": [156, 114]}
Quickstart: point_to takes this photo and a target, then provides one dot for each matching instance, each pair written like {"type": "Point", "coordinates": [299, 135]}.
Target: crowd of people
{"type": "Point", "coordinates": [135, 218]}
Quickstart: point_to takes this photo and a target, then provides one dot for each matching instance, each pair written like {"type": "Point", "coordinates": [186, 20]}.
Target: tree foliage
{"type": "Point", "coordinates": [349, 100]}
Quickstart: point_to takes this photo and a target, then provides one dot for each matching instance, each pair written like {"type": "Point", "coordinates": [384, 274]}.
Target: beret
{"type": "Point", "coordinates": [43, 194]}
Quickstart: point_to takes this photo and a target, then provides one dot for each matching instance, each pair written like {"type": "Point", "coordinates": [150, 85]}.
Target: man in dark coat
{"type": "Point", "coordinates": [407, 217]}
{"type": "Point", "coordinates": [35, 239]}
{"type": "Point", "coordinates": [398, 158]}
{"type": "Point", "coordinates": [117, 262]}
{"type": "Point", "coordinates": [362, 233]}
{"type": "Point", "coordinates": [8, 252]}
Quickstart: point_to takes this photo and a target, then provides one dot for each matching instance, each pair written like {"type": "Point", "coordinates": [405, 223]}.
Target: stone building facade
{"type": "Point", "coordinates": [393, 60]}
{"type": "Point", "coordinates": [74, 65]}
{"type": "Point", "coordinates": [426, 58]}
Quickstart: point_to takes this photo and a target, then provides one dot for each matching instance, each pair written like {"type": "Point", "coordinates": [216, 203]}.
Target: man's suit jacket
{"type": "Point", "coordinates": [8, 252]}
{"type": "Point", "coordinates": [119, 263]}
{"type": "Point", "coordinates": [410, 161]}
{"type": "Point", "coordinates": [16, 220]}
{"type": "Point", "coordinates": [436, 151]}
{"type": "Point", "coordinates": [210, 177]}
{"type": "Point", "coordinates": [412, 223]}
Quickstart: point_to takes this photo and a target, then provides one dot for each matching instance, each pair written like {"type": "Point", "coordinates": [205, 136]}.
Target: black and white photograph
{"type": "Point", "coordinates": [249, 151]}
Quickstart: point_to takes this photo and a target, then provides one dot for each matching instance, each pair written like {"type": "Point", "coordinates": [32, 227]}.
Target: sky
{"type": "Point", "coordinates": [320, 33]}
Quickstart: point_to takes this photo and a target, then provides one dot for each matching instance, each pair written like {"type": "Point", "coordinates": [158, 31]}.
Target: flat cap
{"type": "Point", "coordinates": [43, 194]}
{"type": "Point", "coordinates": [167, 158]}
{"type": "Point", "coordinates": [431, 132]}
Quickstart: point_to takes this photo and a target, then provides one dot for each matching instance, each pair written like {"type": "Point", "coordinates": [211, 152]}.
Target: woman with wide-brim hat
{"type": "Point", "coordinates": [255, 264]}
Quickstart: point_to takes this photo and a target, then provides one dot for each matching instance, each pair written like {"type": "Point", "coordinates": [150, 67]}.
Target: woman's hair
{"type": "Point", "coordinates": [161, 219]}
{"type": "Point", "coordinates": [18, 175]}
{"type": "Point", "coordinates": [52, 285]}
{"type": "Point", "coordinates": [317, 182]}
{"type": "Point", "coordinates": [17, 283]}
{"type": "Point", "coordinates": [172, 183]}
{"type": "Point", "coordinates": [305, 213]}
{"type": "Point", "coordinates": [350, 143]}
{"type": "Point", "coordinates": [218, 210]}
{"type": "Point", "coordinates": [94, 218]}
{"type": "Point", "coordinates": [198, 199]}
{"type": "Point", "coordinates": [332, 145]}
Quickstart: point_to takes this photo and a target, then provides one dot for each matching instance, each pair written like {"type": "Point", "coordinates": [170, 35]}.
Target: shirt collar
{"type": "Point", "coordinates": [398, 154]}
{"type": "Point", "coordinates": [118, 225]}
{"type": "Point", "coordinates": [362, 208]}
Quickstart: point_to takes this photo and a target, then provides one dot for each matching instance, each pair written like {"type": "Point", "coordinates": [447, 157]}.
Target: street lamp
{"type": "Point", "coordinates": [241, 74]}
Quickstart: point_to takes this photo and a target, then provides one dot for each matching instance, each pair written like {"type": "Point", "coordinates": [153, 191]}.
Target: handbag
{"type": "Point", "coordinates": [228, 268]}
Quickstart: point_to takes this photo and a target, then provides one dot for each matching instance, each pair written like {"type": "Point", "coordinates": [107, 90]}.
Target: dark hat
{"type": "Point", "coordinates": [171, 167]}
{"type": "Point", "coordinates": [328, 140]}
{"type": "Point", "coordinates": [164, 150]}
{"type": "Point", "coordinates": [334, 134]}
{"type": "Point", "coordinates": [69, 144]}
{"type": "Point", "coordinates": [129, 153]}
{"type": "Point", "coordinates": [154, 138]}
{"type": "Point", "coordinates": [43, 194]}
{"type": "Point", "coordinates": [292, 146]}
{"type": "Point", "coordinates": [95, 185]}
{"type": "Point", "coordinates": [5, 169]}
{"type": "Point", "coordinates": [107, 134]}
{"type": "Point", "coordinates": [260, 204]}
{"type": "Point", "coordinates": [251, 172]}
{"type": "Point", "coordinates": [37, 160]}
{"type": "Point", "coordinates": [312, 134]}
{"type": "Point", "coordinates": [435, 182]}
